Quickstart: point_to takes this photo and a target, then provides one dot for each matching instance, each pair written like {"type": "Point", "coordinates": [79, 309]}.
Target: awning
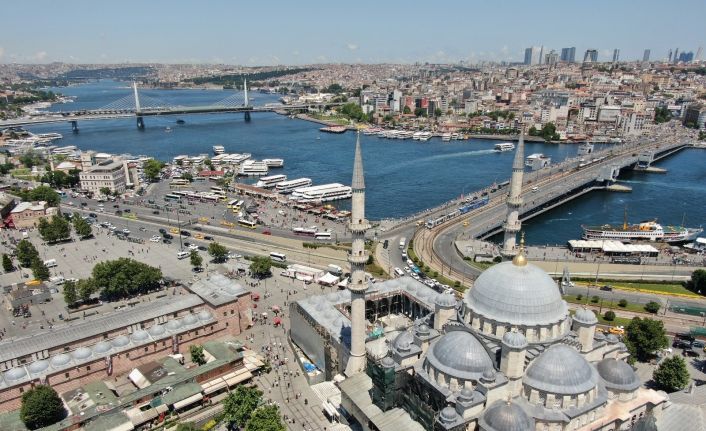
{"type": "Point", "coordinates": [138, 417]}
{"type": "Point", "coordinates": [192, 399]}
{"type": "Point", "coordinates": [138, 379]}
{"type": "Point", "coordinates": [330, 409]}
{"type": "Point", "coordinates": [239, 378]}
{"type": "Point", "coordinates": [215, 387]}
{"type": "Point", "coordinates": [328, 279]}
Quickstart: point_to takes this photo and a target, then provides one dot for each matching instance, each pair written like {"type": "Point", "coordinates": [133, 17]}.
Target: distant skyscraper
{"type": "Point", "coordinates": [532, 56]}
{"type": "Point", "coordinates": [676, 55]}
{"type": "Point", "coordinates": [551, 58]}
{"type": "Point", "coordinates": [698, 54]}
{"type": "Point", "coordinates": [686, 57]}
{"type": "Point", "coordinates": [646, 55]}
{"type": "Point", "coordinates": [568, 54]}
{"type": "Point", "coordinates": [670, 56]}
{"type": "Point", "coordinates": [616, 55]}
{"type": "Point", "coordinates": [541, 55]}
{"type": "Point", "coordinates": [591, 56]}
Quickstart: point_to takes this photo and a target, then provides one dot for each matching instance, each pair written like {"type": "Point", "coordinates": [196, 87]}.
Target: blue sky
{"type": "Point", "coordinates": [266, 32]}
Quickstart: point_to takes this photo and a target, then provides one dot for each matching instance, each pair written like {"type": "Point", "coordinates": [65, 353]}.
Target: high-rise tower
{"type": "Point", "coordinates": [514, 201]}
{"type": "Point", "coordinates": [357, 259]}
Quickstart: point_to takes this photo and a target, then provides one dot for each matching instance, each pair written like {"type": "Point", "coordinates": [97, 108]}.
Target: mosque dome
{"type": "Point", "coordinates": [60, 360]}
{"type": "Point", "coordinates": [39, 366]}
{"type": "Point", "coordinates": [612, 339]}
{"type": "Point", "coordinates": [403, 341]}
{"type": "Point", "coordinates": [15, 374]}
{"type": "Point", "coordinates": [387, 362]}
{"type": "Point", "coordinates": [465, 395]}
{"type": "Point", "coordinates": [81, 353]}
{"type": "Point", "coordinates": [515, 340]}
{"type": "Point", "coordinates": [120, 341]}
{"type": "Point", "coordinates": [516, 294]}
{"type": "Point", "coordinates": [190, 319]}
{"type": "Point", "coordinates": [423, 330]}
{"type": "Point", "coordinates": [102, 347]}
{"type": "Point", "coordinates": [156, 330]}
{"type": "Point", "coordinates": [459, 354]}
{"type": "Point", "coordinates": [561, 370]}
{"type": "Point", "coordinates": [618, 374]}
{"type": "Point", "coordinates": [445, 300]}
{"type": "Point", "coordinates": [506, 416]}
{"type": "Point", "coordinates": [173, 325]}
{"type": "Point", "coordinates": [139, 336]}
{"type": "Point", "coordinates": [448, 415]}
{"type": "Point", "coordinates": [205, 315]}
{"type": "Point", "coordinates": [586, 316]}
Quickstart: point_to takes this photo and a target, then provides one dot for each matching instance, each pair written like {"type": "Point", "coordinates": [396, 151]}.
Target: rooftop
{"type": "Point", "coordinates": [218, 289]}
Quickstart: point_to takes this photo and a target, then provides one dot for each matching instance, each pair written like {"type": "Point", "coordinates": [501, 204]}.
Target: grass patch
{"type": "Point", "coordinates": [618, 321]}
{"type": "Point", "coordinates": [376, 270]}
{"type": "Point", "coordinates": [607, 304]}
{"type": "Point", "coordinates": [669, 289]}
{"type": "Point", "coordinates": [479, 265]}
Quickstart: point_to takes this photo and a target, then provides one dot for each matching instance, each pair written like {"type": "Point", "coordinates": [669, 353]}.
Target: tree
{"type": "Point", "coordinates": [188, 426]}
{"type": "Point", "coordinates": [42, 193]}
{"type": "Point", "coordinates": [70, 294]}
{"type": "Point", "coordinates": [662, 115]}
{"type": "Point", "coordinates": [196, 259]}
{"type": "Point", "coordinates": [125, 277]}
{"type": "Point", "coordinates": [265, 418]}
{"type": "Point", "coordinates": [187, 176]}
{"type": "Point", "coordinates": [39, 269]}
{"type": "Point", "coordinates": [672, 374]}
{"type": "Point", "coordinates": [7, 265]}
{"type": "Point", "coordinates": [697, 284]}
{"type": "Point", "coordinates": [152, 168]}
{"type": "Point", "coordinates": [85, 288]}
{"type": "Point", "coordinates": [197, 356]}
{"type": "Point", "coordinates": [217, 251]}
{"type": "Point", "coordinates": [41, 407]}
{"type": "Point", "coordinates": [652, 307]}
{"type": "Point", "coordinates": [644, 337]}
{"type": "Point", "coordinates": [623, 303]}
{"type": "Point", "coordinates": [260, 266]}
{"type": "Point", "coordinates": [437, 112]}
{"type": "Point", "coordinates": [81, 226]}
{"type": "Point", "coordinates": [609, 315]}
{"type": "Point", "coordinates": [105, 191]}
{"type": "Point", "coordinates": [420, 112]}
{"type": "Point", "coordinates": [56, 230]}
{"type": "Point", "coordinates": [240, 404]}
{"type": "Point", "coordinates": [26, 253]}
{"type": "Point", "coordinates": [406, 110]}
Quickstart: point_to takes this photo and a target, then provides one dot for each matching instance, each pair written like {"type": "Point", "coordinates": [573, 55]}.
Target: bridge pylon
{"type": "Point", "coordinates": [74, 126]}
{"type": "Point", "coordinates": [138, 111]}
{"type": "Point", "coordinates": [246, 100]}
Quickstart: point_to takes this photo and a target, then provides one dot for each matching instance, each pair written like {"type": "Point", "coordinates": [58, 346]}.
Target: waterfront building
{"type": "Point", "coordinates": [514, 201]}
{"type": "Point", "coordinates": [568, 54]}
{"type": "Point", "coordinates": [106, 174]}
{"type": "Point", "coordinates": [27, 214]}
{"type": "Point", "coordinates": [646, 55]}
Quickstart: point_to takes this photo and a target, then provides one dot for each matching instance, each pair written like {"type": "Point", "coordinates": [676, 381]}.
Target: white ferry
{"type": "Point", "coordinates": [504, 146]}
{"type": "Point", "coordinates": [253, 168]}
{"type": "Point", "coordinates": [648, 230]}
{"type": "Point", "coordinates": [49, 136]}
{"type": "Point", "coordinates": [218, 149]}
{"type": "Point", "coordinates": [289, 186]}
{"type": "Point", "coordinates": [270, 181]}
{"type": "Point", "coordinates": [455, 136]}
{"type": "Point", "coordinates": [322, 193]}
{"type": "Point", "coordinates": [446, 137]}
{"type": "Point", "coordinates": [425, 136]}
{"type": "Point", "coordinates": [274, 163]}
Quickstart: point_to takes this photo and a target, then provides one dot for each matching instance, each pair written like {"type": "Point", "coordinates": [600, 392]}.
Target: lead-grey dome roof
{"type": "Point", "coordinates": [561, 370]}
{"type": "Point", "coordinates": [459, 354]}
{"type": "Point", "coordinates": [516, 295]}
{"type": "Point", "coordinates": [506, 416]}
{"type": "Point", "coordinates": [448, 414]}
{"type": "Point", "coordinates": [205, 315]}
{"type": "Point", "coordinates": [445, 300]}
{"type": "Point", "coordinates": [190, 319]}
{"type": "Point", "coordinates": [15, 374]}
{"type": "Point", "coordinates": [618, 374]}
{"type": "Point", "coordinates": [81, 353]}
{"type": "Point", "coordinates": [102, 347]}
{"type": "Point", "coordinates": [403, 341]}
{"type": "Point", "coordinates": [120, 341]}
{"type": "Point", "coordinates": [514, 340]}
{"type": "Point", "coordinates": [584, 315]}
{"type": "Point", "coordinates": [173, 324]}
{"type": "Point", "coordinates": [60, 360]}
{"type": "Point", "coordinates": [156, 330]}
{"type": "Point", "coordinates": [387, 362]}
{"type": "Point", "coordinates": [39, 366]}
{"type": "Point", "coordinates": [139, 335]}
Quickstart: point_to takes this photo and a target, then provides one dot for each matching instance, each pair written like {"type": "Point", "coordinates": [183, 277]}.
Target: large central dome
{"type": "Point", "coordinates": [517, 295]}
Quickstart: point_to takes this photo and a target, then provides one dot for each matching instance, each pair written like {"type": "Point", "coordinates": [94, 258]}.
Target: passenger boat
{"type": "Point", "coordinates": [648, 230]}
{"type": "Point", "coordinates": [504, 146]}
{"type": "Point", "coordinates": [322, 193]}
{"type": "Point", "coordinates": [333, 129]}
{"type": "Point", "coordinates": [274, 163]}
{"type": "Point", "coordinates": [251, 168]}
{"type": "Point", "coordinates": [218, 149]}
{"type": "Point", "coordinates": [425, 136]}
{"type": "Point", "coordinates": [446, 137]}
{"type": "Point", "coordinates": [270, 181]}
{"type": "Point", "coordinates": [288, 186]}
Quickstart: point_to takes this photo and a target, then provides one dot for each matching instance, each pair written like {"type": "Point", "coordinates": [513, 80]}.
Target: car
{"type": "Point", "coordinates": [83, 204]}
{"type": "Point", "coordinates": [202, 248]}
{"type": "Point", "coordinates": [607, 288]}
{"type": "Point", "coordinates": [126, 231]}
{"type": "Point", "coordinates": [116, 206]}
{"type": "Point", "coordinates": [197, 269]}
{"type": "Point", "coordinates": [127, 210]}
{"type": "Point", "coordinates": [186, 233]}
{"type": "Point", "coordinates": [70, 203]}
{"type": "Point", "coordinates": [232, 255]}
{"type": "Point", "coordinates": [385, 244]}
{"type": "Point", "coordinates": [617, 330]}
{"type": "Point", "coordinates": [155, 212]}
{"type": "Point", "coordinates": [208, 237]}
{"type": "Point", "coordinates": [162, 230]}
{"type": "Point", "coordinates": [166, 241]}
{"type": "Point", "coordinates": [193, 247]}
{"type": "Point", "coordinates": [155, 238]}
{"type": "Point", "coordinates": [183, 254]}
{"type": "Point", "coordinates": [93, 215]}
{"type": "Point", "coordinates": [186, 243]}
{"type": "Point", "coordinates": [118, 213]}
{"type": "Point", "coordinates": [266, 232]}
{"type": "Point", "coordinates": [167, 236]}
{"type": "Point", "coordinates": [199, 228]}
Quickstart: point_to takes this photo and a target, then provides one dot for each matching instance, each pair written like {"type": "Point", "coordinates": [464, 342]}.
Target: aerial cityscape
{"type": "Point", "coordinates": [378, 217]}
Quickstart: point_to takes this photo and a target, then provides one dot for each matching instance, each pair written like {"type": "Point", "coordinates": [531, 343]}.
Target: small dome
{"type": "Point", "coordinates": [585, 316]}
{"type": "Point", "coordinates": [448, 415]}
{"type": "Point", "coordinates": [488, 376]}
{"type": "Point", "coordinates": [173, 325]}
{"type": "Point", "coordinates": [60, 360]}
{"type": "Point", "coordinates": [423, 330]}
{"type": "Point", "coordinates": [599, 336]}
{"type": "Point", "coordinates": [387, 362]}
{"type": "Point", "coordinates": [561, 370]}
{"type": "Point", "coordinates": [39, 366]}
{"type": "Point", "coordinates": [156, 330]}
{"type": "Point", "coordinates": [15, 374]}
{"type": "Point", "coordinates": [445, 300]}
{"type": "Point", "coordinates": [618, 374]}
{"type": "Point", "coordinates": [506, 416]}
{"type": "Point", "coordinates": [139, 336]}
{"type": "Point", "coordinates": [102, 347]}
{"type": "Point", "coordinates": [465, 395]}
{"type": "Point", "coordinates": [120, 341]}
{"type": "Point", "coordinates": [190, 319]}
{"type": "Point", "coordinates": [515, 340]}
{"type": "Point", "coordinates": [205, 315]}
{"type": "Point", "coordinates": [403, 341]}
{"type": "Point", "coordinates": [81, 353]}
{"type": "Point", "coordinates": [612, 338]}
{"type": "Point", "coordinates": [459, 354]}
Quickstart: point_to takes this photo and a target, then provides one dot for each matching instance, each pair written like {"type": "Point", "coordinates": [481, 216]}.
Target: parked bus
{"type": "Point", "coordinates": [178, 182]}
{"type": "Point", "coordinates": [278, 257]}
{"type": "Point", "coordinates": [247, 223]}
{"type": "Point", "coordinates": [322, 235]}
{"type": "Point", "coordinates": [403, 241]}
{"type": "Point", "coordinates": [218, 190]}
{"type": "Point", "coordinates": [233, 203]}
{"type": "Point", "coordinates": [210, 197]}
{"type": "Point", "coordinates": [172, 197]}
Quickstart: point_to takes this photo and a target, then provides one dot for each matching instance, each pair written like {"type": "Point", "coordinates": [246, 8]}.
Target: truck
{"type": "Point", "coordinates": [403, 241]}
{"type": "Point", "coordinates": [334, 269]}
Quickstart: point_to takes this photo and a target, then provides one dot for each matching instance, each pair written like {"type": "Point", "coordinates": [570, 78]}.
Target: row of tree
{"type": "Point", "coordinates": [28, 257]}
{"type": "Point", "coordinates": [59, 229]}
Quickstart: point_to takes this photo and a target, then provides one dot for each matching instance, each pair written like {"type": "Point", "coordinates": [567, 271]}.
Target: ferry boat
{"type": "Point", "coordinates": [455, 136]}
{"type": "Point", "coordinates": [250, 168]}
{"type": "Point", "coordinates": [270, 181]}
{"type": "Point", "coordinates": [425, 136]}
{"type": "Point", "coordinates": [446, 137]}
{"type": "Point", "coordinates": [288, 186]}
{"type": "Point", "coordinates": [585, 149]}
{"type": "Point", "coordinates": [218, 149]}
{"type": "Point", "coordinates": [648, 230]}
{"type": "Point", "coordinates": [504, 146]}
{"type": "Point", "coordinates": [333, 129]}
{"type": "Point", "coordinates": [274, 163]}
{"type": "Point", "coordinates": [322, 193]}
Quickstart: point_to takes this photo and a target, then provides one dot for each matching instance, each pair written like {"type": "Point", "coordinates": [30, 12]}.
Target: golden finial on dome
{"type": "Point", "coordinates": [520, 259]}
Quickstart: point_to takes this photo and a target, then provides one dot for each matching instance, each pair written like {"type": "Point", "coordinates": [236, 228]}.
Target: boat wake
{"type": "Point", "coordinates": [402, 164]}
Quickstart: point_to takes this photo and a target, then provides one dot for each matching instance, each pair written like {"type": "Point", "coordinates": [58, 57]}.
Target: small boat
{"type": "Point", "coordinates": [168, 129]}
{"type": "Point", "coordinates": [505, 146]}
{"type": "Point", "coordinates": [180, 121]}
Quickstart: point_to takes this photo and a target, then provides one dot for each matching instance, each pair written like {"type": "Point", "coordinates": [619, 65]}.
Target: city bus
{"type": "Point", "coordinates": [232, 204]}
{"type": "Point", "coordinates": [172, 197]}
{"type": "Point", "coordinates": [278, 257]}
{"type": "Point", "coordinates": [218, 191]}
{"type": "Point", "coordinates": [247, 223]}
{"type": "Point", "coordinates": [178, 182]}
{"type": "Point", "coordinates": [322, 235]}
{"type": "Point", "coordinates": [209, 197]}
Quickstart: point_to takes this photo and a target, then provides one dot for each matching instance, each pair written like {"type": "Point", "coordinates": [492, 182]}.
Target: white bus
{"type": "Point", "coordinates": [218, 190]}
{"type": "Point", "coordinates": [322, 235]}
{"type": "Point", "coordinates": [403, 241]}
{"type": "Point", "coordinates": [233, 203]}
{"type": "Point", "coordinates": [278, 257]}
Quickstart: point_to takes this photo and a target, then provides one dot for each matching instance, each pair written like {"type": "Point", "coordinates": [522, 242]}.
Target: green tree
{"type": "Point", "coordinates": [609, 315]}
{"type": "Point", "coordinates": [697, 284]}
{"type": "Point", "coordinates": [265, 418]}
{"type": "Point", "coordinates": [39, 269]}
{"type": "Point", "coordinates": [353, 111]}
{"type": "Point", "coordinates": [41, 407]}
{"type": "Point", "coordinates": [217, 251]}
{"type": "Point", "coordinates": [662, 115]}
{"type": "Point", "coordinates": [196, 259]}
{"type": "Point", "coordinates": [672, 374]}
{"type": "Point", "coordinates": [70, 293]}
{"type": "Point", "coordinates": [61, 227]}
{"type": "Point", "coordinates": [125, 277]}
{"type": "Point", "coordinates": [152, 169]}
{"type": "Point", "coordinates": [81, 226]}
{"type": "Point", "coordinates": [652, 307]}
{"type": "Point", "coordinates": [187, 426]}
{"type": "Point", "coordinates": [105, 191]}
{"type": "Point", "coordinates": [260, 266]}
{"type": "Point", "coordinates": [26, 253]}
{"type": "Point", "coordinates": [623, 303]}
{"type": "Point", "coordinates": [437, 112]}
{"type": "Point", "coordinates": [40, 193]}
{"type": "Point", "coordinates": [644, 337]}
{"type": "Point", "coordinates": [188, 177]}
{"type": "Point", "coordinates": [197, 355]}
{"type": "Point", "coordinates": [334, 88]}
{"type": "Point", "coordinates": [85, 288]}
{"type": "Point", "coordinates": [240, 404]}
{"type": "Point", "coordinates": [406, 110]}
{"type": "Point", "coordinates": [7, 265]}
{"type": "Point", "coordinates": [420, 112]}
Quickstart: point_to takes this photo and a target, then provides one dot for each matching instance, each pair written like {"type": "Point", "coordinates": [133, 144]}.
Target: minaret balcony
{"type": "Point", "coordinates": [360, 259]}
{"type": "Point", "coordinates": [514, 201]}
{"type": "Point", "coordinates": [512, 227]}
{"type": "Point", "coordinates": [359, 226]}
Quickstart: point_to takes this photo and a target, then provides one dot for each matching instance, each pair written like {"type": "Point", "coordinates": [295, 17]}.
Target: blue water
{"type": "Point", "coordinates": [402, 177]}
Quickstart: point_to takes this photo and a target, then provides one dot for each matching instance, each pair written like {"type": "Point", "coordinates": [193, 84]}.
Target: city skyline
{"type": "Point", "coordinates": [283, 33]}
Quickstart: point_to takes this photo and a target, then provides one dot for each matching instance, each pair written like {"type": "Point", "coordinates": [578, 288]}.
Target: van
{"type": "Point", "coordinates": [58, 280]}
{"type": "Point", "coordinates": [535, 189]}
{"type": "Point", "coordinates": [335, 269]}
{"type": "Point", "coordinates": [51, 263]}
{"type": "Point", "coordinates": [183, 254]}
{"type": "Point", "coordinates": [399, 272]}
